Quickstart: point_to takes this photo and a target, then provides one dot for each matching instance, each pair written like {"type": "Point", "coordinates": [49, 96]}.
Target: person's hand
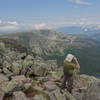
{"type": "Point", "coordinates": [78, 66]}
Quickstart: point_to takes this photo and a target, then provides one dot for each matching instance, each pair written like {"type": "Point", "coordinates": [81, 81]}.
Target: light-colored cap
{"type": "Point", "coordinates": [69, 57]}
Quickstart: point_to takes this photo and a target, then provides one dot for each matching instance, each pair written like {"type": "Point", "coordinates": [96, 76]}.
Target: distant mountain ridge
{"type": "Point", "coordinates": [92, 32]}
{"type": "Point", "coordinates": [82, 30]}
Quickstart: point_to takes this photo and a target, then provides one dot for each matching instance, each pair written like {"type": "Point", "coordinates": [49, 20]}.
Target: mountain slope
{"type": "Point", "coordinates": [25, 77]}
{"type": "Point", "coordinates": [53, 45]}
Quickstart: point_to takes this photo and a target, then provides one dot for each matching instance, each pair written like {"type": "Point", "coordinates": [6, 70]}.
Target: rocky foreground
{"type": "Point", "coordinates": [25, 77]}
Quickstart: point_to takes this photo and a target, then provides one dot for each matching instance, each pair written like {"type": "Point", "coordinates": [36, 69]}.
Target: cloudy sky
{"type": "Point", "coordinates": [37, 14]}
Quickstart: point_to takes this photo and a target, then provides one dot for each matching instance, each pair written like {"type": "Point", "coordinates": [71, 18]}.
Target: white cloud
{"type": "Point", "coordinates": [13, 22]}
{"type": "Point", "coordinates": [61, 22]}
{"type": "Point", "coordinates": [98, 26]}
{"type": "Point", "coordinates": [40, 26]}
{"type": "Point", "coordinates": [0, 21]}
{"type": "Point", "coordinates": [82, 2]}
{"type": "Point", "coordinates": [8, 28]}
{"type": "Point", "coordinates": [50, 24]}
{"type": "Point", "coordinates": [77, 21]}
{"type": "Point", "coordinates": [8, 22]}
{"type": "Point", "coordinates": [8, 25]}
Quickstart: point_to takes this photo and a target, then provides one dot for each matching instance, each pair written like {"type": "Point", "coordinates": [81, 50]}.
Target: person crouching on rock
{"type": "Point", "coordinates": [70, 66]}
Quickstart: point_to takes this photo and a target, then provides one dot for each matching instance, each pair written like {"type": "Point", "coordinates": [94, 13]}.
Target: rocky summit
{"type": "Point", "coordinates": [24, 76]}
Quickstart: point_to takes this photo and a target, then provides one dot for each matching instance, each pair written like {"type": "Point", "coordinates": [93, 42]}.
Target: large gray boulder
{"type": "Point", "coordinates": [2, 47]}
{"type": "Point", "coordinates": [16, 68]}
{"type": "Point", "coordinates": [59, 94]}
{"type": "Point", "coordinates": [93, 92]}
{"type": "Point", "coordinates": [21, 79]}
{"type": "Point", "coordinates": [3, 78]}
{"type": "Point", "coordinates": [19, 95]}
{"type": "Point", "coordinates": [6, 63]}
{"type": "Point", "coordinates": [27, 65]}
{"type": "Point", "coordinates": [7, 72]}
{"type": "Point", "coordinates": [81, 84]}
{"type": "Point", "coordinates": [1, 94]}
{"type": "Point", "coordinates": [17, 83]}
{"type": "Point", "coordinates": [43, 68]}
{"type": "Point", "coordinates": [11, 86]}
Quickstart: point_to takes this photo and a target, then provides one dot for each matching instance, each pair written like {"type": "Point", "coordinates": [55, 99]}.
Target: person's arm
{"type": "Point", "coordinates": [69, 64]}
{"type": "Point", "coordinates": [78, 66]}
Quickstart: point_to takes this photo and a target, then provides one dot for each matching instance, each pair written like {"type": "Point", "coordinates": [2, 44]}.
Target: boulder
{"type": "Point", "coordinates": [27, 65]}
{"type": "Point", "coordinates": [19, 78]}
{"type": "Point", "coordinates": [16, 67]}
{"type": "Point", "coordinates": [0, 70]}
{"type": "Point", "coordinates": [58, 95]}
{"type": "Point", "coordinates": [2, 47]}
{"type": "Point", "coordinates": [3, 78]}
{"type": "Point", "coordinates": [11, 86]}
{"type": "Point", "coordinates": [39, 68]}
{"type": "Point", "coordinates": [93, 92]}
{"type": "Point", "coordinates": [1, 94]}
{"type": "Point", "coordinates": [39, 97]}
{"type": "Point", "coordinates": [19, 95]}
{"type": "Point", "coordinates": [50, 86]}
{"type": "Point", "coordinates": [27, 85]}
{"type": "Point", "coordinates": [22, 79]}
{"type": "Point", "coordinates": [6, 64]}
{"type": "Point", "coordinates": [81, 84]}
{"type": "Point", "coordinates": [22, 56]}
{"type": "Point", "coordinates": [68, 96]}
{"type": "Point", "coordinates": [52, 96]}
{"type": "Point", "coordinates": [7, 72]}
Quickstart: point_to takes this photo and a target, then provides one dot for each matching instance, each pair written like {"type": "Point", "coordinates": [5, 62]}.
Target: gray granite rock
{"type": "Point", "coordinates": [19, 95]}
{"type": "Point", "coordinates": [3, 78]}
{"type": "Point", "coordinates": [39, 97]}
{"type": "Point", "coordinates": [93, 92]}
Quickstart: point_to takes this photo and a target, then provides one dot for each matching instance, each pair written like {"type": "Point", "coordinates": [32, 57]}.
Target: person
{"type": "Point", "coordinates": [70, 66]}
